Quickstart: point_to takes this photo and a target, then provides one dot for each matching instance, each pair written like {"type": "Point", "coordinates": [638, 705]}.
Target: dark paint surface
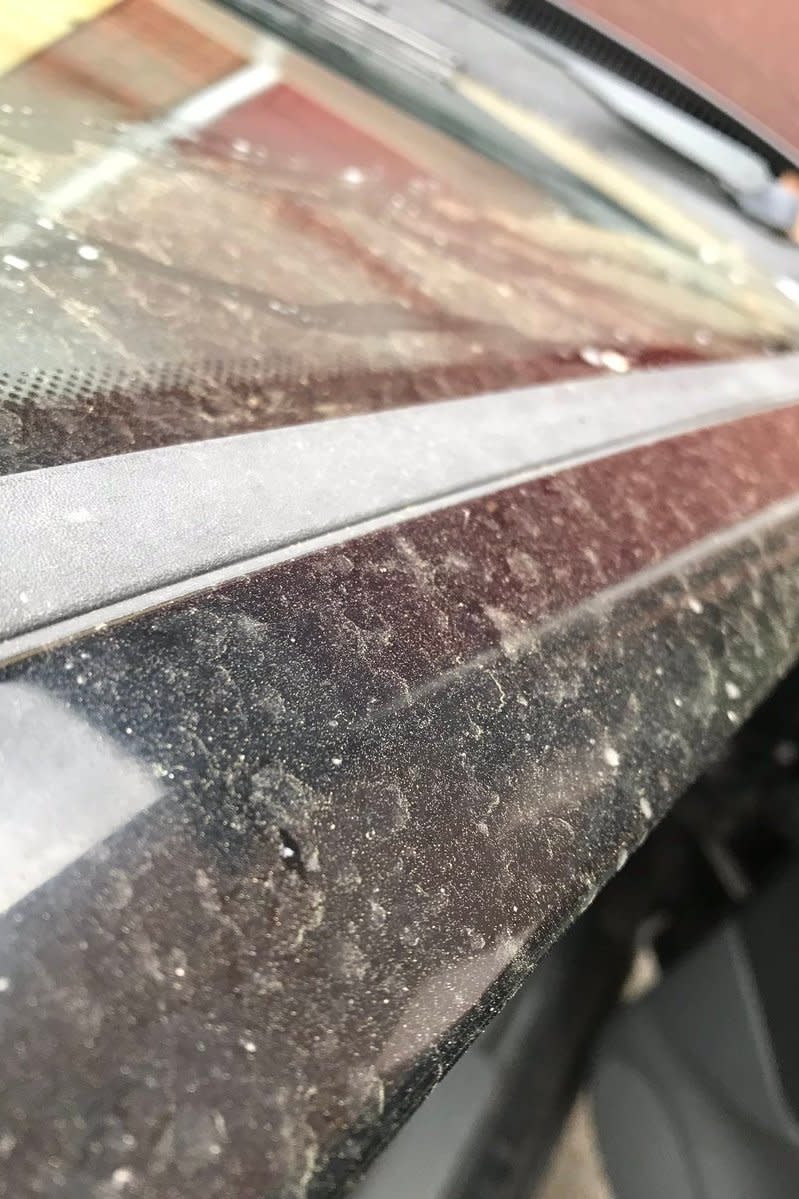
{"type": "Point", "coordinates": [304, 252]}
{"type": "Point", "coordinates": [382, 778]}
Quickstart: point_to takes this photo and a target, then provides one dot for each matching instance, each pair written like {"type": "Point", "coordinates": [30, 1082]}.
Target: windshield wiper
{"type": "Point", "coordinates": [744, 175]}
{"type": "Point", "coordinates": [742, 166]}
{"type": "Point", "coordinates": [757, 174]}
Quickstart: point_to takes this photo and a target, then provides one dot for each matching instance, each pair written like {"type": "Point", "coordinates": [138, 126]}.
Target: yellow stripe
{"type": "Point", "coordinates": [27, 26]}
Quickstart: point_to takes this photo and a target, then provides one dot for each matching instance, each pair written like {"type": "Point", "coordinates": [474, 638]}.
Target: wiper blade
{"type": "Point", "coordinates": [555, 22]}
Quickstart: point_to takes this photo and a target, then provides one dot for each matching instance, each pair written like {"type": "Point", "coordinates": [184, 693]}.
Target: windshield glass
{"type": "Point", "coordinates": [204, 231]}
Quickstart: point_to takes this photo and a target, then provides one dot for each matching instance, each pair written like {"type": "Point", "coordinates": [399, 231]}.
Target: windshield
{"type": "Point", "coordinates": [205, 232]}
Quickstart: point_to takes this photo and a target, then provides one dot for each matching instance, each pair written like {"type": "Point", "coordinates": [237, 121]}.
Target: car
{"type": "Point", "coordinates": [399, 454]}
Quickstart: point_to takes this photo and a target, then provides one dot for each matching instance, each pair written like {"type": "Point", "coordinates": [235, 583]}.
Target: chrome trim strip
{"type": "Point", "coordinates": [77, 540]}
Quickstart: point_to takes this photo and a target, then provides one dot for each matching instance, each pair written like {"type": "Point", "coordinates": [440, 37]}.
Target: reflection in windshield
{"type": "Point", "coordinates": [64, 787]}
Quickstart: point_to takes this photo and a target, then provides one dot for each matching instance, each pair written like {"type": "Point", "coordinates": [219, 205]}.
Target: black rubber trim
{"type": "Point", "coordinates": [586, 39]}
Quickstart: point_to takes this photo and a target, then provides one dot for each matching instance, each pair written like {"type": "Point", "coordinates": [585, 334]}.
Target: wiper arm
{"type": "Point", "coordinates": [744, 175]}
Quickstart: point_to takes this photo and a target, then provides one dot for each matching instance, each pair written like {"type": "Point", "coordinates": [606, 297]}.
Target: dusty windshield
{"type": "Point", "coordinates": [205, 232]}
